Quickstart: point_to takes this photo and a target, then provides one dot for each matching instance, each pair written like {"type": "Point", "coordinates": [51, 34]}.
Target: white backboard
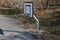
{"type": "Point", "coordinates": [28, 9]}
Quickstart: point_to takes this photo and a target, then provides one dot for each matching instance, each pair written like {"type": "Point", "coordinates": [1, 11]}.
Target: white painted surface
{"type": "Point", "coordinates": [28, 9]}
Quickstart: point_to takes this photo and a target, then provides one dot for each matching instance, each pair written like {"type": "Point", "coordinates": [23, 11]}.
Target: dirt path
{"type": "Point", "coordinates": [12, 30]}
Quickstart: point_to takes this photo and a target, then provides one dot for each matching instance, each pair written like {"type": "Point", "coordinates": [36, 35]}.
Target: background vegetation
{"type": "Point", "coordinates": [10, 11]}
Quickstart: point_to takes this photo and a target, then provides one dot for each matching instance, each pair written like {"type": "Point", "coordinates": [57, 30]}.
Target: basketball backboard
{"type": "Point", "coordinates": [28, 9]}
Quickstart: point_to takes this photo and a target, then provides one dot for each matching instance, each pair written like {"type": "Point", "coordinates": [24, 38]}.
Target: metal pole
{"type": "Point", "coordinates": [37, 25]}
{"type": "Point", "coordinates": [37, 29]}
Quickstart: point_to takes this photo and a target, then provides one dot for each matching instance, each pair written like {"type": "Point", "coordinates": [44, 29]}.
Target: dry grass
{"type": "Point", "coordinates": [30, 26]}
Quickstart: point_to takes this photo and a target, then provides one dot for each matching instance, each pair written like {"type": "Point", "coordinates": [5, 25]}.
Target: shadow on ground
{"type": "Point", "coordinates": [21, 36]}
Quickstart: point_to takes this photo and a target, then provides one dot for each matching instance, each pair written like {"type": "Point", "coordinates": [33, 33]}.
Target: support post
{"type": "Point", "coordinates": [37, 25]}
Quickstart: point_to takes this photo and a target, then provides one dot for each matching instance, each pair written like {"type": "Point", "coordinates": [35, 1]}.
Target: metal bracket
{"type": "Point", "coordinates": [37, 25]}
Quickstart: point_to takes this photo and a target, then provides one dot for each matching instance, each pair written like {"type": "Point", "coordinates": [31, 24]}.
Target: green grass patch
{"type": "Point", "coordinates": [9, 11]}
